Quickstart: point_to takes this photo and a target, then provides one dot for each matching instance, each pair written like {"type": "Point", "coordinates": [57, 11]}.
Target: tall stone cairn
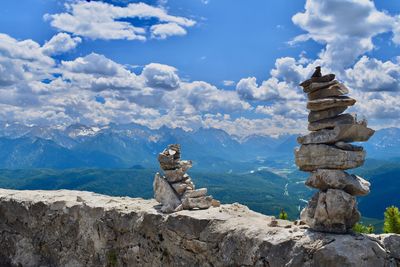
{"type": "Point", "coordinates": [326, 152]}
{"type": "Point", "coordinates": [175, 190]}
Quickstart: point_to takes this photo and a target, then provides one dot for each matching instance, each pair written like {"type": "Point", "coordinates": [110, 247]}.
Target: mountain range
{"type": "Point", "coordinates": [130, 145]}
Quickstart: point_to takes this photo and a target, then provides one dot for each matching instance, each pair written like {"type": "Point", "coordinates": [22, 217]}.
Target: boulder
{"type": "Point", "coordinates": [333, 211]}
{"type": "Point", "coordinates": [337, 89]}
{"type": "Point", "coordinates": [325, 114]}
{"type": "Point", "coordinates": [203, 202]}
{"type": "Point", "coordinates": [164, 194]}
{"type": "Point", "coordinates": [332, 122]}
{"type": "Point", "coordinates": [323, 79]}
{"type": "Point", "coordinates": [331, 102]}
{"type": "Point", "coordinates": [324, 179]}
{"type": "Point", "coordinates": [313, 157]}
{"type": "Point", "coordinates": [341, 132]}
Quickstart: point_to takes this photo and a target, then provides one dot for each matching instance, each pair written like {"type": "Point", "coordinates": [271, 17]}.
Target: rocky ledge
{"type": "Point", "coordinates": [74, 228]}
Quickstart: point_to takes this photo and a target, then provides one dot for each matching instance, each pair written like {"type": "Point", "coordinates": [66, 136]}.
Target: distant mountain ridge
{"type": "Point", "coordinates": [126, 145]}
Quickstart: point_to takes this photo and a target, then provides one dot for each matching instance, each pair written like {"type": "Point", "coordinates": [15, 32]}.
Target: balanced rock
{"type": "Point", "coordinates": [323, 79]}
{"type": "Point", "coordinates": [332, 122]}
{"type": "Point", "coordinates": [325, 179]}
{"type": "Point", "coordinates": [165, 194]}
{"type": "Point", "coordinates": [320, 156]}
{"type": "Point", "coordinates": [331, 102]}
{"type": "Point", "coordinates": [176, 190]}
{"type": "Point", "coordinates": [341, 132]}
{"type": "Point", "coordinates": [333, 211]}
{"type": "Point", "coordinates": [325, 114]}
{"type": "Point", "coordinates": [337, 89]}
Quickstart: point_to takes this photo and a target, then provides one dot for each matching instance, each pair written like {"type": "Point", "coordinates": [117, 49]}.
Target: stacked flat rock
{"type": "Point", "coordinates": [175, 190]}
{"type": "Point", "coordinates": [326, 152]}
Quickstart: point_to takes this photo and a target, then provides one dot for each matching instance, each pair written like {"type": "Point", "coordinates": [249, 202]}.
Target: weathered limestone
{"type": "Point", "coordinates": [325, 114]}
{"type": "Point", "coordinates": [332, 122]}
{"type": "Point", "coordinates": [336, 89]}
{"type": "Point", "coordinates": [331, 102]}
{"type": "Point", "coordinates": [316, 80]}
{"type": "Point", "coordinates": [341, 132]}
{"type": "Point", "coordinates": [327, 151]}
{"type": "Point", "coordinates": [325, 179]}
{"type": "Point", "coordinates": [75, 228]}
{"type": "Point", "coordinates": [175, 190]}
{"type": "Point", "coordinates": [320, 156]}
{"type": "Point", "coordinates": [165, 194]}
{"type": "Point", "coordinates": [334, 211]}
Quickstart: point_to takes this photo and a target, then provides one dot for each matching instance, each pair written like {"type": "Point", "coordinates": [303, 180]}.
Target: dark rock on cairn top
{"type": "Point", "coordinates": [326, 153]}
{"type": "Point", "coordinates": [175, 190]}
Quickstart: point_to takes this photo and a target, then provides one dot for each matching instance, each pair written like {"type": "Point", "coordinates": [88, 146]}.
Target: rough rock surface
{"type": "Point", "coordinates": [313, 157]}
{"type": "Point", "coordinates": [325, 114]}
{"type": "Point", "coordinates": [164, 194]}
{"type": "Point", "coordinates": [333, 211]}
{"type": "Point", "coordinates": [341, 132]}
{"type": "Point", "coordinates": [72, 228]}
{"type": "Point", "coordinates": [333, 90]}
{"type": "Point", "coordinates": [330, 102]}
{"type": "Point", "coordinates": [332, 122]}
{"type": "Point", "coordinates": [324, 179]}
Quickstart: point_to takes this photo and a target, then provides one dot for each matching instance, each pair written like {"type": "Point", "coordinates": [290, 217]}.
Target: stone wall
{"type": "Point", "coordinates": [72, 228]}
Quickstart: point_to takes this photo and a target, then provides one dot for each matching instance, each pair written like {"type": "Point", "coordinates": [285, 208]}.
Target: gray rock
{"type": "Point", "coordinates": [197, 203]}
{"type": "Point", "coordinates": [324, 179]}
{"type": "Point", "coordinates": [331, 102]}
{"type": "Point", "coordinates": [333, 212]}
{"type": "Point", "coordinates": [325, 114]}
{"type": "Point", "coordinates": [341, 132]}
{"type": "Point", "coordinates": [346, 146]}
{"type": "Point", "coordinates": [392, 244]}
{"type": "Point", "coordinates": [179, 187]}
{"type": "Point", "coordinates": [332, 122]}
{"type": "Point", "coordinates": [313, 157]}
{"type": "Point", "coordinates": [201, 192]}
{"type": "Point", "coordinates": [318, 86]}
{"type": "Point", "coordinates": [337, 89]}
{"type": "Point", "coordinates": [53, 228]}
{"type": "Point", "coordinates": [164, 194]}
{"type": "Point", "coordinates": [173, 176]}
{"type": "Point", "coordinates": [316, 80]}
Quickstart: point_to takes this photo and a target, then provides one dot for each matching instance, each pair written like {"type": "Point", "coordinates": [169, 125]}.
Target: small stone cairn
{"type": "Point", "coordinates": [175, 189]}
{"type": "Point", "coordinates": [326, 152]}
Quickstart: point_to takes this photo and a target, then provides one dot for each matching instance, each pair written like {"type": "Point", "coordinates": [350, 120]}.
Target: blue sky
{"type": "Point", "coordinates": [233, 65]}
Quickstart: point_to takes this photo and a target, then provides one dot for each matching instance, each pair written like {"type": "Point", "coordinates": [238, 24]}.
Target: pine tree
{"type": "Point", "coordinates": [363, 229]}
{"type": "Point", "coordinates": [283, 215]}
{"type": "Point", "coordinates": [392, 220]}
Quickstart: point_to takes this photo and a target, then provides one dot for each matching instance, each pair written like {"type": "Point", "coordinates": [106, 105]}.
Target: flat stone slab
{"type": "Point", "coordinates": [324, 179]}
{"type": "Point", "coordinates": [332, 122]}
{"type": "Point", "coordinates": [319, 156]}
{"type": "Point", "coordinates": [76, 228]}
{"type": "Point", "coordinates": [337, 89]}
{"type": "Point", "coordinates": [341, 132]}
{"type": "Point", "coordinates": [314, 116]}
{"type": "Point", "coordinates": [333, 211]}
{"type": "Point", "coordinates": [165, 194]}
{"type": "Point", "coordinates": [318, 80]}
{"type": "Point", "coordinates": [331, 102]}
